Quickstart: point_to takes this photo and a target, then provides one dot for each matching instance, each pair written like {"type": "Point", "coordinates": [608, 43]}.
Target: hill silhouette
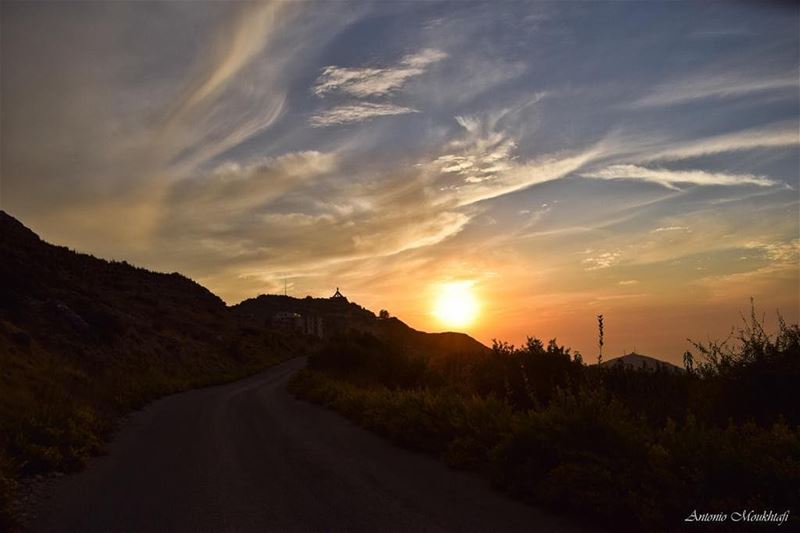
{"type": "Point", "coordinates": [637, 361]}
{"type": "Point", "coordinates": [99, 313]}
{"type": "Point", "coordinates": [74, 301]}
{"type": "Point", "coordinates": [84, 340]}
{"type": "Point", "coordinates": [341, 316]}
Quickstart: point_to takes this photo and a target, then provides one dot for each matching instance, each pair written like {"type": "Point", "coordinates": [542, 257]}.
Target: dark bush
{"type": "Point", "coordinates": [628, 449]}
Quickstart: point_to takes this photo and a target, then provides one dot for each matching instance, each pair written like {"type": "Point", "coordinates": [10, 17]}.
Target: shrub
{"type": "Point", "coordinates": [622, 448]}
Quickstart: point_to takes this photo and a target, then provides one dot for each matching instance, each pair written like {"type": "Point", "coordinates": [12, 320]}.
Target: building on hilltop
{"type": "Point", "coordinates": [312, 325]}
{"type": "Point", "coordinates": [288, 321]}
{"type": "Point", "coordinates": [295, 322]}
{"type": "Point", "coordinates": [338, 296]}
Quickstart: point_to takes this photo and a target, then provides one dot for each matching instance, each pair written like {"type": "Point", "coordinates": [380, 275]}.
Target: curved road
{"type": "Point", "coordinates": [248, 457]}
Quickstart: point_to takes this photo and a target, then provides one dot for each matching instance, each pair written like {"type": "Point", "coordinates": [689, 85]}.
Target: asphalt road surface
{"type": "Point", "coordinates": [247, 456]}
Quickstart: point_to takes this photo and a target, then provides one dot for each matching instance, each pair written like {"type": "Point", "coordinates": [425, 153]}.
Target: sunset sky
{"type": "Point", "coordinates": [559, 159]}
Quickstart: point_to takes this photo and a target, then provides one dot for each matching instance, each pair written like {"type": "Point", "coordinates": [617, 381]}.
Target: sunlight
{"type": "Point", "coordinates": [455, 304]}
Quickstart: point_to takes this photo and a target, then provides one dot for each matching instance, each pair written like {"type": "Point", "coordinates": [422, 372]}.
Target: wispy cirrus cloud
{"type": "Point", "coordinates": [780, 135]}
{"type": "Point", "coordinates": [238, 47]}
{"type": "Point", "coordinates": [483, 162]}
{"type": "Point", "coordinates": [601, 260]}
{"type": "Point", "coordinates": [375, 81]}
{"type": "Point", "coordinates": [234, 188]}
{"type": "Point", "coordinates": [220, 107]}
{"type": "Point", "coordinates": [520, 176]}
{"type": "Point", "coordinates": [715, 86]}
{"type": "Point", "coordinates": [662, 229]}
{"type": "Point", "coordinates": [299, 215]}
{"type": "Point", "coordinates": [129, 141]}
{"type": "Point", "coordinates": [359, 112]}
{"type": "Point", "coordinates": [672, 178]}
{"type": "Point", "coordinates": [777, 265]}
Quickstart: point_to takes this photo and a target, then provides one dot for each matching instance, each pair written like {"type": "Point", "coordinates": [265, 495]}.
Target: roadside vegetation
{"type": "Point", "coordinates": [626, 449]}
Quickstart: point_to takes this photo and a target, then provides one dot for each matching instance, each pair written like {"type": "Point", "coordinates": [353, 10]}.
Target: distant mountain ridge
{"type": "Point", "coordinates": [636, 361]}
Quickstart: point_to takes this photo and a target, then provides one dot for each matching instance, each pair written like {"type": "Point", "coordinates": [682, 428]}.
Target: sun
{"type": "Point", "coordinates": [455, 304]}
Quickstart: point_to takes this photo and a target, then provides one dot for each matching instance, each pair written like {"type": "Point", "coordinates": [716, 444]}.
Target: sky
{"type": "Point", "coordinates": [561, 159]}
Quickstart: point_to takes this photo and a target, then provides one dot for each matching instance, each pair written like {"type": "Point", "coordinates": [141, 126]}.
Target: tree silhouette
{"type": "Point", "coordinates": [688, 362]}
{"type": "Point", "coordinates": [600, 339]}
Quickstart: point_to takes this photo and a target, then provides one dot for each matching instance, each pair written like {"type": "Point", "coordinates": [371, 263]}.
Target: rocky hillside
{"type": "Point", "coordinates": [83, 340]}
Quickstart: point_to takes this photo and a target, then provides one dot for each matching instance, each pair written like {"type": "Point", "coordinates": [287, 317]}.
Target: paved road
{"type": "Point", "coordinates": [248, 457]}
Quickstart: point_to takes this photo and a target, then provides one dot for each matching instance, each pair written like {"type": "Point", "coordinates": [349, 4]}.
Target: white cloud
{"type": "Point", "coordinates": [220, 108]}
{"type": "Point", "coordinates": [130, 136]}
{"type": "Point", "coordinates": [672, 178]}
{"type": "Point", "coordinates": [233, 189]}
{"type": "Point", "coordinates": [670, 228]}
{"type": "Point", "coordinates": [430, 229]}
{"type": "Point", "coordinates": [775, 136]}
{"type": "Point", "coordinates": [520, 176]}
{"type": "Point", "coordinates": [779, 262]}
{"type": "Point", "coordinates": [488, 158]}
{"type": "Point", "coordinates": [719, 86]}
{"type": "Point", "coordinates": [375, 81]}
{"type": "Point", "coordinates": [603, 260]}
{"type": "Point", "coordinates": [251, 33]}
{"type": "Point", "coordinates": [301, 214]}
{"type": "Point", "coordinates": [783, 252]}
{"type": "Point", "coordinates": [482, 163]}
{"type": "Point", "coordinates": [346, 114]}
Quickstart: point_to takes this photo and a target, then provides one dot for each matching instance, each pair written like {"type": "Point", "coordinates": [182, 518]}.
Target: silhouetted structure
{"type": "Point", "coordinates": [312, 325]}
{"type": "Point", "coordinates": [307, 324]}
{"type": "Point", "coordinates": [338, 296]}
{"type": "Point", "coordinates": [288, 321]}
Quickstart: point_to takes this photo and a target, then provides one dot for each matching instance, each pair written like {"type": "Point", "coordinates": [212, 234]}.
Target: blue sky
{"type": "Point", "coordinates": [638, 159]}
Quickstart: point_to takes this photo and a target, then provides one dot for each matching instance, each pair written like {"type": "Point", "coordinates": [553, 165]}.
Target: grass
{"type": "Point", "coordinates": [55, 413]}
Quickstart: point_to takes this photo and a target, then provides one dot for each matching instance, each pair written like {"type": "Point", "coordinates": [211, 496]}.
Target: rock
{"type": "Point", "coordinates": [71, 317]}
